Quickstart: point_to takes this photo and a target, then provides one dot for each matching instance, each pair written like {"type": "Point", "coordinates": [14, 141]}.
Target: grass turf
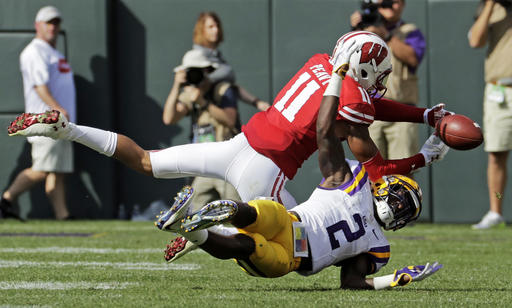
{"type": "Point", "coordinates": [118, 263]}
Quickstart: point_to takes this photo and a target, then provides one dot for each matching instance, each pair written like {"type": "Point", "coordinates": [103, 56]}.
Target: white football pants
{"type": "Point", "coordinates": [235, 161]}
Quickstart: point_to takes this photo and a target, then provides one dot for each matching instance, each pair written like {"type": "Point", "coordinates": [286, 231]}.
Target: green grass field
{"type": "Point", "coordinates": [118, 263]}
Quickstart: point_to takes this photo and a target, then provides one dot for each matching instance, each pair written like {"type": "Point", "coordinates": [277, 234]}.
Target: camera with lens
{"type": "Point", "coordinates": [370, 15]}
{"type": "Point", "coordinates": [194, 75]}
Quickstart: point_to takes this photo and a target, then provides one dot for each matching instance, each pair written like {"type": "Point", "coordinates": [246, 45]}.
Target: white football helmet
{"type": "Point", "coordinates": [397, 201]}
{"type": "Point", "coordinates": [370, 64]}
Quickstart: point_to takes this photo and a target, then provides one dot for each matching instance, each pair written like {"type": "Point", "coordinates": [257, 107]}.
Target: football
{"type": "Point", "coordinates": [459, 132]}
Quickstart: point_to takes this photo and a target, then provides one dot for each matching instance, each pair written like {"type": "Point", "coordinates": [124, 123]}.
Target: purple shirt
{"type": "Point", "coordinates": [416, 40]}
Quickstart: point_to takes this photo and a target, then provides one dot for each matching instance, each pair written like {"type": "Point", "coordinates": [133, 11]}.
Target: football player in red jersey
{"type": "Point", "coordinates": [274, 143]}
{"type": "Point", "coordinates": [362, 60]}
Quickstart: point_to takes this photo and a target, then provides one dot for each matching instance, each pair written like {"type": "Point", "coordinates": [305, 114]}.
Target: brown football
{"type": "Point", "coordinates": [459, 132]}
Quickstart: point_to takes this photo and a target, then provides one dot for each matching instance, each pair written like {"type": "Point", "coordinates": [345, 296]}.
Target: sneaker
{"type": "Point", "coordinates": [490, 220]}
{"type": "Point", "coordinates": [171, 220]}
{"type": "Point", "coordinates": [213, 213]}
{"type": "Point", "coordinates": [6, 210]}
{"type": "Point", "coordinates": [177, 248]}
{"type": "Point", "coordinates": [50, 124]}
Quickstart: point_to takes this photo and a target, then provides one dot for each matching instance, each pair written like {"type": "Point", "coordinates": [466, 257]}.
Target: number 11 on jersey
{"type": "Point", "coordinates": [299, 100]}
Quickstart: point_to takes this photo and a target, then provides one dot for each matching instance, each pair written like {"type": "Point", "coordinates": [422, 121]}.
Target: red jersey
{"type": "Point", "coordinates": [286, 132]}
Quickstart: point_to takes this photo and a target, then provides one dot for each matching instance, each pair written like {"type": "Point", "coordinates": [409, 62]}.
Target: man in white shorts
{"type": "Point", "coordinates": [48, 85]}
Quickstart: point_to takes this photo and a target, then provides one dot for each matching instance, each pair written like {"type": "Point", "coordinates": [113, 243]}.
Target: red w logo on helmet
{"type": "Point", "coordinates": [371, 51]}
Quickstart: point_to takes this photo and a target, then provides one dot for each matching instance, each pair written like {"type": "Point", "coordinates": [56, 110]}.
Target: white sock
{"type": "Point", "coordinates": [197, 237]}
{"type": "Point", "coordinates": [101, 141]}
{"type": "Point", "coordinates": [223, 230]}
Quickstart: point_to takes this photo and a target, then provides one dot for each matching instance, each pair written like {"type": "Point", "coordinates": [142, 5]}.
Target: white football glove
{"type": "Point", "coordinates": [341, 57]}
{"type": "Point", "coordinates": [433, 149]}
{"type": "Point", "coordinates": [434, 114]}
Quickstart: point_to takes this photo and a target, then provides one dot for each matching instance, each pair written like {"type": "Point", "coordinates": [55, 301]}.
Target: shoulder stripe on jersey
{"type": "Point", "coordinates": [358, 180]}
{"type": "Point", "coordinates": [359, 114]}
{"type": "Point", "coordinates": [355, 184]}
{"type": "Point", "coordinates": [355, 116]}
{"type": "Point", "coordinates": [352, 119]}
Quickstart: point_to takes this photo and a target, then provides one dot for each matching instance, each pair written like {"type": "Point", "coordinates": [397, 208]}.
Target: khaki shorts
{"type": "Point", "coordinates": [497, 121]}
{"type": "Point", "coordinates": [210, 189]}
{"type": "Point", "coordinates": [51, 155]}
{"type": "Point", "coordinates": [395, 140]}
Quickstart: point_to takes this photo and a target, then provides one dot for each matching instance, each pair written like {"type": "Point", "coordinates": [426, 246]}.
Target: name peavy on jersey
{"type": "Point", "coordinates": [340, 223]}
{"type": "Point", "coordinates": [286, 132]}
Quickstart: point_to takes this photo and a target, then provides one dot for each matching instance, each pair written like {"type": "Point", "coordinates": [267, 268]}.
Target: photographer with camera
{"type": "Point", "coordinates": [214, 114]}
{"type": "Point", "coordinates": [208, 35]}
{"type": "Point", "coordinates": [493, 25]}
{"type": "Point", "coordinates": [407, 44]}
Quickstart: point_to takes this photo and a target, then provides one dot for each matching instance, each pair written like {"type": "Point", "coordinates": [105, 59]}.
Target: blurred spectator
{"type": "Point", "coordinates": [208, 35]}
{"type": "Point", "coordinates": [48, 84]}
{"type": "Point", "coordinates": [493, 25]}
{"type": "Point", "coordinates": [395, 139]}
{"type": "Point", "coordinates": [213, 108]}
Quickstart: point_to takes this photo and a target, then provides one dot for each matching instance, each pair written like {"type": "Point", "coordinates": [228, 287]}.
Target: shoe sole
{"type": "Point", "coordinates": [175, 213]}
{"type": "Point", "coordinates": [178, 248]}
{"type": "Point", "coordinates": [213, 213]}
{"type": "Point", "coordinates": [19, 126]}
{"type": "Point", "coordinates": [501, 225]}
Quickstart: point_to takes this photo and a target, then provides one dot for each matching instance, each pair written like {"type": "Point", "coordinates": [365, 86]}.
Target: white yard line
{"type": "Point", "coordinates": [55, 285]}
{"type": "Point", "coordinates": [148, 266]}
{"type": "Point", "coordinates": [80, 250]}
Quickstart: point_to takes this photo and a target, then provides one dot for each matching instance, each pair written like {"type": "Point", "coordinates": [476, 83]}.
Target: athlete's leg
{"type": "Point", "coordinates": [209, 159]}
{"type": "Point", "coordinates": [237, 246]}
{"type": "Point", "coordinates": [255, 175]}
{"type": "Point", "coordinates": [53, 124]}
{"type": "Point", "coordinates": [226, 246]}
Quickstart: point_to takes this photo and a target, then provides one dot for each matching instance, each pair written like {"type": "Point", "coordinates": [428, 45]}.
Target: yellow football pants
{"type": "Point", "coordinates": [272, 233]}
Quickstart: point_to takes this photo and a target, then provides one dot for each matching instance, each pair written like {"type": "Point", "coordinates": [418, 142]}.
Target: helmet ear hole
{"type": "Point", "coordinates": [364, 74]}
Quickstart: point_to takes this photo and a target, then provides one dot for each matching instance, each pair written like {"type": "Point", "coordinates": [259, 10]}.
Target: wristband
{"type": "Point", "coordinates": [425, 116]}
{"type": "Point", "coordinates": [383, 282]}
{"type": "Point", "coordinates": [334, 86]}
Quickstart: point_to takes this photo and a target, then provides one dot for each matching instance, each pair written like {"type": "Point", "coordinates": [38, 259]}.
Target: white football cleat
{"type": "Point", "coordinates": [213, 213]}
{"type": "Point", "coordinates": [171, 220]}
{"type": "Point", "coordinates": [49, 124]}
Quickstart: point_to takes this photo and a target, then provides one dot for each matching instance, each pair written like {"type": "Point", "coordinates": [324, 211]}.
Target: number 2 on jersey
{"type": "Point", "coordinates": [349, 235]}
{"type": "Point", "coordinates": [299, 100]}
